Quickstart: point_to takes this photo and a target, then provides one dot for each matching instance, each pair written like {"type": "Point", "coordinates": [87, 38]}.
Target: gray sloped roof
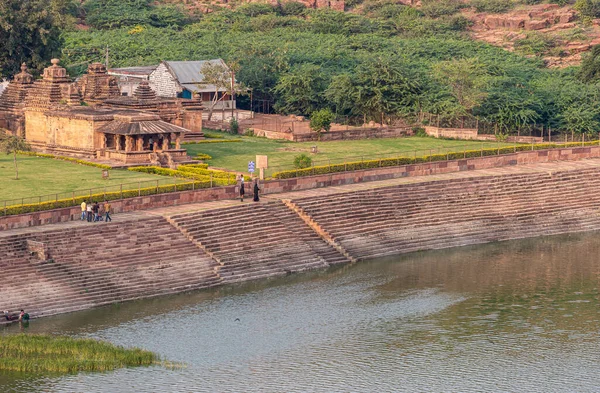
{"type": "Point", "coordinates": [188, 72]}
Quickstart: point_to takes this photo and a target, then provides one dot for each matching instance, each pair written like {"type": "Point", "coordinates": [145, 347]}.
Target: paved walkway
{"type": "Point", "coordinates": [550, 167]}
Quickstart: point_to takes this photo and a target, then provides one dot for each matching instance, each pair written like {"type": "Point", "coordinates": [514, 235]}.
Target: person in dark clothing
{"type": "Point", "coordinates": [242, 191]}
{"type": "Point", "coordinates": [8, 316]}
{"type": "Point", "coordinates": [96, 210]}
{"type": "Point", "coordinates": [256, 190]}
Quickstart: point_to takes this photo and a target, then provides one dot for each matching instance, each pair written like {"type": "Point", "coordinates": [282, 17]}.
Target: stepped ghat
{"type": "Point", "coordinates": [71, 266]}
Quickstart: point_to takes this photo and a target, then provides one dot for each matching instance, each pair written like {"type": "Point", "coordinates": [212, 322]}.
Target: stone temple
{"type": "Point", "coordinates": [89, 118]}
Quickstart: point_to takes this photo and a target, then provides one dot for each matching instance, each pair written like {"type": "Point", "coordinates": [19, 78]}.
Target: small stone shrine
{"type": "Point", "coordinates": [90, 119]}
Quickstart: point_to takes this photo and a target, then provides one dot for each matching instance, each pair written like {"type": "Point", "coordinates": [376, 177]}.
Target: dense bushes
{"type": "Point", "coordinates": [494, 6]}
{"type": "Point", "coordinates": [110, 14]}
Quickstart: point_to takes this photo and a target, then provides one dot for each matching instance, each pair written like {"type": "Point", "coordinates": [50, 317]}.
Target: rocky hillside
{"type": "Point", "coordinates": [556, 33]}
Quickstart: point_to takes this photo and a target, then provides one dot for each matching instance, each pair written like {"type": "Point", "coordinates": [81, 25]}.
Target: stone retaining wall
{"type": "Point", "coordinates": [309, 182]}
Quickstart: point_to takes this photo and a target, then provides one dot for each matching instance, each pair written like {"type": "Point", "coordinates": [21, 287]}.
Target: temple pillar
{"type": "Point", "coordinates": [178, 141]}
{"type": "Point", "coordinates": [128, 143]}
{"type": "Point", "coordinates": [139, 139]}
{"type": "Point", "coordinates": [165, 143]}
{"type": "Point", "coordinates": [103, 141]}
{"type": "Point", "coordinates": [117, 142]}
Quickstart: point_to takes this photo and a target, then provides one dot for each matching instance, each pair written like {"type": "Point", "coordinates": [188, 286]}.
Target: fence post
{"type": "Point", "coordinates": [56, 198]}
{"type": "Point", "coordinates": [532, 145]}
{"type": "Point", "coordinates": [430, 153]}
{"type": "Point", "coordinates": [156, 186]}
{"type": "Point", "coordinates": [121, 190]}
{"type": "Point", "coordinates": [139, 188]}
{"type": "Point", "coordinates": [5, 208]}
{"type": "Point", "coordinates": [39, 199]}
{"type": "Point", "coordinates": [211, 180]}
{"type": "Point", "coordinates": [73, 196]}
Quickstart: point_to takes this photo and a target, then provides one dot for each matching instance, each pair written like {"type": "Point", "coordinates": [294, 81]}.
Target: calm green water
{"type": "Point", "coordinates": [516, 316]}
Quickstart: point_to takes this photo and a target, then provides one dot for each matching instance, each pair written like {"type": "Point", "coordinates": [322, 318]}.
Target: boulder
{"type": "Point", "coordinates": [536, 24]}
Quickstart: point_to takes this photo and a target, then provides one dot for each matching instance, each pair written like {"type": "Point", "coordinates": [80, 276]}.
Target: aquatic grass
{"type": "Point", "coordinates": [39, 353]}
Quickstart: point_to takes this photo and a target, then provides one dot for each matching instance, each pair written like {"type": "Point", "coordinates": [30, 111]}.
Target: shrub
{"type": "Point", "coordinates": [234, 126]}
{"type": "Point", "coordinates": [494, 6]}
{"type": "Point", "coordinates": [437, 8]}
{"type": "Point", "coordinates": [589, 8]}
{"type": "Point", "coordinates": [202, 156]}
{"type": "Point", "coordinates": [292, 8]}
{"type": "Point", "coordinates": [211, 141]}
{"type": "Point", "coordinates": [302, 161]}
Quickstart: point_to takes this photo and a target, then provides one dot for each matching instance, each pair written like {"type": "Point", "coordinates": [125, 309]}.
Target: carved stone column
{"type": "Point", "coordinates": [128, 143]}
{"type": "Point", "coordinates": [165, 144]}
{"type": "Point", "coordinates": [139, 142]}
{"type": "Point", "coordinates": [178, 141]}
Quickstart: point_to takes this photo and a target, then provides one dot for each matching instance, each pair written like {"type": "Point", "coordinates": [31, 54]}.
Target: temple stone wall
{"type": "Point", "coordinates": [164, 82]}
{"type": "Point", "coordinates": [36, 126]}
{"type": "Point", "coordinates": [76, 133]}
{"type": "Point", "coordinates": [192, 121]}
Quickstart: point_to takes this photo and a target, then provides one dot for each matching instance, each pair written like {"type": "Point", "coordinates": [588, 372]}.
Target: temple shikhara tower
{"type": "Point", "coordinates": [89, 118]}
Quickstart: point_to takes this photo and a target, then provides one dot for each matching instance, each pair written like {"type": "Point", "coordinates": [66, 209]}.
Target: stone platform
{"type": "Point", "coordinates": [76, 265]}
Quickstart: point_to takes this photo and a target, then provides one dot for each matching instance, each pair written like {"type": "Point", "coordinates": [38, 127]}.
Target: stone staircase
{"type": "Point", "coordinates": [253, 241]}
{"type": "Point", "coordinates": [435, 215]}
{"type": "Point", "coordinates": [101, 264]}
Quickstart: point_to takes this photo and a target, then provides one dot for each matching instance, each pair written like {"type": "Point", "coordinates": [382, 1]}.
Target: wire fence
{"type": "Point", "coordinates": [173, 184]}
{"type": "Point", "coordinates": [109, 192]}
{"type": "Point", "coordinates": [408, 153]}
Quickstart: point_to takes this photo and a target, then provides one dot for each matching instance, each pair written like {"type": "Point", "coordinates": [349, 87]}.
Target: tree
{"type": "Point", "coordinates": [30, 32]}
{"type": "Point", "coordinates": [302, 161]}
{"type": "Point", "coordinates": [590, 66]}
{"type": "Point", "coordinates": [320, 121]}
{"type": "Point", "coordinates": [12, 144]}
{"type": "Point", "coordinates": [466, 78]}
{"type": "Point", "coordinates": [218, 76]}
{"type": "Point", "coordinates": [300, 90]}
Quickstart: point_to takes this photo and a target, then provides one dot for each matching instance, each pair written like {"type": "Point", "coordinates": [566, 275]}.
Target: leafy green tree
{"type": "Point", "coordinates": [320, 121]}
{"type": "Point", "coordinates": [590, 66]}
{"type": "Point", "coordinates": [30, 32]}
{"type": "Point", "coordinates": [467, 79]}
{"type": "Point", "coordinates": [299, 90]}
{"type": "Point", "coordinates": [222, 78]}
{"type": "Point", "coordinates": [12, 144]}
{"type": "Point", "coordinates": [383, 86]}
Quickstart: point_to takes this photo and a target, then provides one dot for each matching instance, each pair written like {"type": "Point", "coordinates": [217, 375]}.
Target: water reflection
{"type": "Point", "coordinates": [514, 316]}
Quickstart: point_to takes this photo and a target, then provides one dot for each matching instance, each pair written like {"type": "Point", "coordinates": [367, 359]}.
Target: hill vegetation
{"type": "Point", "coordinates": [381, 61]}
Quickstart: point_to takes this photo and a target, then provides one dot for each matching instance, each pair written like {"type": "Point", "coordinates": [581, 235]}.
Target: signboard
{"type": "Point", "coordinates": [262, 162]}
{"type": "Point", "coordinates": [251, 167]}
{"type": "Point", "coordinates": [105, 174]}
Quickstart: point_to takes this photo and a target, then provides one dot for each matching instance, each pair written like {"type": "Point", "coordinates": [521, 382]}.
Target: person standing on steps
{"type": "Point", "coordinates": [96, 210]}
{"type": "Point", "coordinates": [242, 191]}
{"type": "Point", "coordinates": [151, 143]}
{"type": "Point", "coordinates": [107, 211]}
{"type": "Point", "coordinates": [88, 211]}
{"type": "Point", "coordinates": [83, 211]}
{"type": "Point", "coordinates": [256, 190]}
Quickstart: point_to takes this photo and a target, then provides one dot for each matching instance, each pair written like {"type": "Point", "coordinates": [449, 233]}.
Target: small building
{"type": "Point", "coordinates": [180, 79]}
{"type": "Point", "coordinates": [129, 78]}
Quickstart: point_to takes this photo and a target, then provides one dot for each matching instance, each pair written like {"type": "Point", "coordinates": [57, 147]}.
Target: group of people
{"type": "Point", "coordinates": [23, 316]}
{"type": "Point", "coordinates": [243, 190]}
{"type": "Point", "coordinates": [93, 212]}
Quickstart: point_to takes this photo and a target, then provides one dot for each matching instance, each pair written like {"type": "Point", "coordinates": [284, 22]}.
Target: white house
{"type": "Point", "coordinates": [180, 78]}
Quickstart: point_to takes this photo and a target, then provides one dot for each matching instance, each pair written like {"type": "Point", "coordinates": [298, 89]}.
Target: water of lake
{"type": "Point", "coordinates": [513, 316]}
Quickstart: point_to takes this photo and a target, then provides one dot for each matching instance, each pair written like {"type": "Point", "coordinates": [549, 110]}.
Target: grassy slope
{"type": "Point", "coordinates": [42, 176]}
{"type": "Point", "coordinates": [281, 154]}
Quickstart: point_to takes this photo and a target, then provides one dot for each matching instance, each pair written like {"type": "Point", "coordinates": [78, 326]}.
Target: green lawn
{"type": "Point", "coordinates": [43, 176]}
{"type": "Point", "coordinates": [281, 153]}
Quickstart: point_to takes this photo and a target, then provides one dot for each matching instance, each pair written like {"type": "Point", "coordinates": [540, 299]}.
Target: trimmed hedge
{"type": "Point", "coordinates": [211, 141]}
{"type": "Point", "coordinates": [202, 156]}
{"type": "Point", "coordinates": [63, 158]}
{"type": "Point", "coordinates": [398, 161]}
{"type": "Point", "coordinates": [219, 178]}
